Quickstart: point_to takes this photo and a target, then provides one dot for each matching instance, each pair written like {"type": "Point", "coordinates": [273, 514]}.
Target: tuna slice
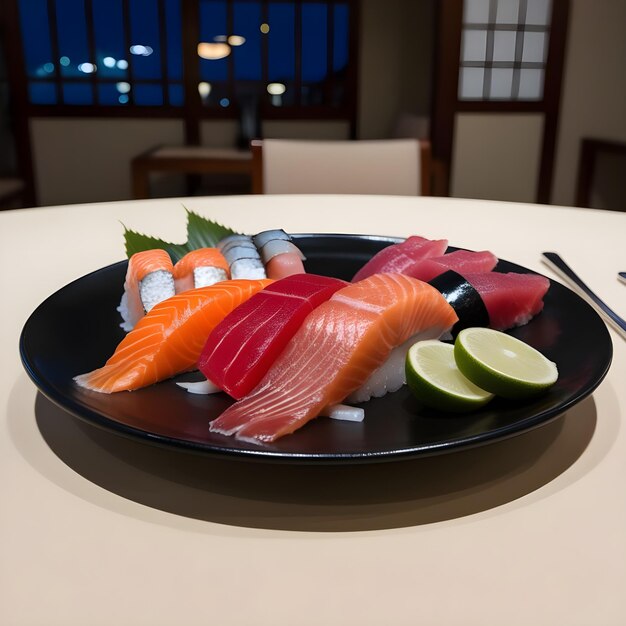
{"type": "Point", "coordinates": [334, 352]}
{"type": "Point", "coordinates": [402, 258]}
{"type": "Point", "coordinates": [497, 300]}
{"type": "Point", "coordinates": [461, 261]}
{"type": "Point", "coordinates": [244, 345]}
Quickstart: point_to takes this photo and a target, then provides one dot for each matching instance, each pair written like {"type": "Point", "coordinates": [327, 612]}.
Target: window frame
{"type": "Point", "coordinates": [192, 108]}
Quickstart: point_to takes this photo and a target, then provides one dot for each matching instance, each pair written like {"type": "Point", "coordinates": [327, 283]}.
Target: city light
{"type": "Point", "coordinates": [87, 68]}
{"type": "Point", "coordinates": [213, 51]}
{"type": "Point", "coordinates": [236, 40]}
{"type": "Point", "coordinates": [224, 102]}
{"type": "Point", "coordinates": [48, 68]}
{"type": "Point", "coordinates": [204, 89]}
{"type": "Point", "coordinates": [139, 50]}
{"type": "Point", "coordinates": [264, 28]}
{"type": "Point", "coordinates": [276, 89]}
{"type": "Point", "coordinates": [64, 61]}
{"type": "Point", "coordinates": [108, 62]}
{"type": "Point", "coordinates": [123, 87]}
{"type": "Point", "coordinates": [122, 64]}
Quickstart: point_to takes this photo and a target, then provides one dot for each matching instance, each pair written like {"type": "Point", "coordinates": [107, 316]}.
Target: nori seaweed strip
{"type": "Point", "coordinates": [463, 298]}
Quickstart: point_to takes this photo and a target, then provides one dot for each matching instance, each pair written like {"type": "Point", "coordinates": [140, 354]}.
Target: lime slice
{"type": "Point", "coordinates": [503, 364]}
{"type": "Point", "coordinates": [435, 379]}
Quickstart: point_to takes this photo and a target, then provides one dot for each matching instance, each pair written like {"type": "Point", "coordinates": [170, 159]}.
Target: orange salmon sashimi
{"type": "Point", "coordinates": [200, 268]}
{"type": "Point", "coordinates": [169, 339]}
{"type": "Point", "coordinates": [334, 352]}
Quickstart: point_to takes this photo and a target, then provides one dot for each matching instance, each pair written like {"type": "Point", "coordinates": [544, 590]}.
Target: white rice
{"type": "Point", "coordinates": [391, 375]}
{"type": "Point", "coordinates": [206, 276]}
{"type": "Point", "coordinates": [247, 268]}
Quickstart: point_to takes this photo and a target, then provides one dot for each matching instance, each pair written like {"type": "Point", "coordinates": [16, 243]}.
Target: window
{"type": "Point", "coordinates": [283, 57]}
{"type": "Point", "coordinates": [503, 49]}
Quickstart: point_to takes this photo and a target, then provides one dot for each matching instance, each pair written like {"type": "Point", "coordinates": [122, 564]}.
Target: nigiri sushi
{"type": "Point", "coordinates": [169, 339]}
{"type": "Point", "coordinates": [246, 342]}
{"type": "Point", "coordinates": [149, 280]}
{"type": "Point", "coordinates": [200, 268]}
{"type": "Point", "coordinates": [242, 256]}
{"type": "Point", "coordinates": [402, 257]}
{"type": "Point", "coordinates": [338, 347]}
{"type": "Point", "coordinates": [497, 300]}
{"type": "Point", "coordinates": [280, 255]}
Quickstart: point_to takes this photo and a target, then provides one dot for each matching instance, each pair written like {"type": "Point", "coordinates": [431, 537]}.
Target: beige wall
{"type": "Point", "coordinates": [594, 89]}
{"type": "Point", "coordinates": [496, 156]}
{"type": "Point", "coordinates": [88, 160]}
{"type": "Point", "coordinates": [395, 70]}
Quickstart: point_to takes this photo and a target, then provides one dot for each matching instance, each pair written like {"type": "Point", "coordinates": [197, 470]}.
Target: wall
{"type": "Point", "coordinates": [496, 157]}
{"type": "Point", "coordinates": [395, 71]}
{"type": "Point", "coordinates": [88, 160]}
{"type": "Point", "coordinates": [594, 90]}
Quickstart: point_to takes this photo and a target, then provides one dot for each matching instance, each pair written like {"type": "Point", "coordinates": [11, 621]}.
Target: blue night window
{"type": "Point", "coordinates": [132, 53]}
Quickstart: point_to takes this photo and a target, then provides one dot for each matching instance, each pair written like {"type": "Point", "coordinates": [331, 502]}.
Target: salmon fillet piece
{"type": "Point", "coordinates": [170, 337]}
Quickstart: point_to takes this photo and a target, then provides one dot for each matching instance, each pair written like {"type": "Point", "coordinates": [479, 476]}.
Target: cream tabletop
{"type": "Point", "coordinates": [97, 529]}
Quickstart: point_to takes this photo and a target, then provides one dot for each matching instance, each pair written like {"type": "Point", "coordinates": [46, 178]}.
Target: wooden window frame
{"type": "Point", "coordinates": [446, 103]}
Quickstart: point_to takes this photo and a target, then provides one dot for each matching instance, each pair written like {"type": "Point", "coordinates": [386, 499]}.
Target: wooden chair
{"type": "Point", "coordinates": [389, 166]}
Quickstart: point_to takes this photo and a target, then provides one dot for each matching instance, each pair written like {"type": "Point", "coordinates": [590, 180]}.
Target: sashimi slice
{"type": "Point", "coordinates": [169, 339]}
{"type": "Point", "coordinates": [402, 257]}
{"type": "Point", "coordinates": [334, 352]}
{"type": "Point", "coordinates": [149, 280]}
{"type": "Point", "coordinates": [461, 261]}
{"type": "Point", "coordinates": [511, 299]}
{"type": "Point", "coordinates": [246, 342]}
{"type": "Point", "coordinates": [200, 268]}
{"type": "Point", "coordinates": [280, 255]}
{"type": "Point", "coordinates": [492, 299]}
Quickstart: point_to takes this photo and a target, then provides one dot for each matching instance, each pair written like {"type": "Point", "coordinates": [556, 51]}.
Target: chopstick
{"type": "Point", "coordinates": [557, 264]}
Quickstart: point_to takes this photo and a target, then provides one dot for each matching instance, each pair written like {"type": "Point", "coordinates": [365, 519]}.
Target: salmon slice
{"type": "Point", "coordinates": [169, 339]}
{"type": "Point", "coordinates": [200, 268]}
{"type": "Point", "coordinates": [149, 280]}
{"type": "Point", "coordinates": [334, 352]}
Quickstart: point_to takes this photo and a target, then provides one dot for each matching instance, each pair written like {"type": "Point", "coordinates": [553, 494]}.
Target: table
{"type": "Point", "coordinates": [97, 529]}
{"type": "Point", "coordinates": [186, 160]}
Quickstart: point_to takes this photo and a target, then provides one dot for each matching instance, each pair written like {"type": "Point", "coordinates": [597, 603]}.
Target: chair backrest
{"type": "Point", "coordinates": [388, 166]}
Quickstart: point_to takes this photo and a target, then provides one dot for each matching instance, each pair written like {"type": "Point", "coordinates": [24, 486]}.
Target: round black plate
{"type": "Point", "coordinates": [76, 329]}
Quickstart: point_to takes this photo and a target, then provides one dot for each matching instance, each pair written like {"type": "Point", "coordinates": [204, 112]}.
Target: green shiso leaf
{"type": "Point", "coordinates": [204, 233]}
{"type": "Point", "coordinates": [201, 233]}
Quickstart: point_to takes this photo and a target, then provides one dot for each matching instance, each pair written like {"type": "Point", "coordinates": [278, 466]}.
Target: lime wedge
{"type": "Point", "coordinates": [435, 379]}
{"type": "Point", "coordinates": [503, 364]}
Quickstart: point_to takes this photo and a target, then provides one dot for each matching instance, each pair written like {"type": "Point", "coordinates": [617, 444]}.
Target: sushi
{"type": "Point", "coordinates": [149, 280]}
{"type": "Point", "coordinates": [280, 255]}
{"type": "Point", "coordinates": [200, 268]}
{"type": "Point", "coordinates": [242, 257]}
{"type": "Point", "coordinates": [338, 347]}
{"type": "Point", "coordinates": [402, 257]}
{"type": "Point", "coordinates": [169, 339]}
{"type": "Point", "coordinates": [246, 342]}
{"type": "Point", "coordinates": [497, 300]}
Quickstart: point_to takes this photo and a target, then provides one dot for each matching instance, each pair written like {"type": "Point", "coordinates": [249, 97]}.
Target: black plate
{"type": "Point", "coordinates": [76, 329]}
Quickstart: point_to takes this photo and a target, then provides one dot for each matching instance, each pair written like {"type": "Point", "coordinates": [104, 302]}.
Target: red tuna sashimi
{"type": "Point", "coordinates": [335, 351]}
{"type": "Point", "coordinates": [401, 258]}
{"type": "Point", "coordinates": [511, 299]}
{"type": "Point", "coordinates": [460, 261]}
{"type": "Point", "coordinates": [244, 345]}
